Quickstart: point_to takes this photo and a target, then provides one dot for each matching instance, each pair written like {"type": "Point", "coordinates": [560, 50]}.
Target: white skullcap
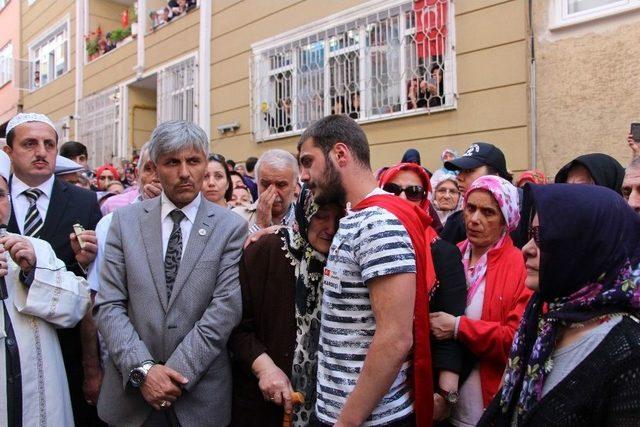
{"type": "Point", "coordinates": [65, 166]}
{"type": "Point", "coordinates": [21, 118]}
{"type": "Point", "coordinates": [5, 165]}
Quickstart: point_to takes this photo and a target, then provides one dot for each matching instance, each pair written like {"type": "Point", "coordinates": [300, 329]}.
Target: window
{"type": "Point", "coordinates": [570, 12]}
{"type": "Point", "coordinates": [6, 64]}
{"type": "Point", "coordinates": [3, 3]}
{"type": "Point", "coordinates": [177, 92]}
{"type": "Point", "coordinates": [49, 56]}
{"type": "Point", "coordinates": [99, 125]}
{"type": "Point", "coordinates": [380, 60]}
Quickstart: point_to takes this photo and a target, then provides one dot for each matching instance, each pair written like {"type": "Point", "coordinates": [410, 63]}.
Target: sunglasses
{"type": "Point", "coordinates": [415, 193]}
{"type": "Point", "coordinates": [534, 233]}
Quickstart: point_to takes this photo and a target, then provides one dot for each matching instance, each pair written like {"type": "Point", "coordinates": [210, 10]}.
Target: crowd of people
{"type": "Point", "coordinates": [183, 288]}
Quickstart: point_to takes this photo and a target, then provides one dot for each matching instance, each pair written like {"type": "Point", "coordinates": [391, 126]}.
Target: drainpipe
{"type": "Point", "coordinates": [532, 92]}
{"type": "Point", "coordinates": [80, 52]}
{"type": "Point", "coordinates": [204, 68]}
{"type": "Point", "coordinates": [142, 29]}
{"type": "Point", "coordinates": [132, 116]}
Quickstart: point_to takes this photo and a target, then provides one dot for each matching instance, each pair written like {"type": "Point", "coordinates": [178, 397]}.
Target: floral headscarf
{"type": "Point", "coordinates": [587, 271]}
{"type": "Point", "coordinates": [506, 195]}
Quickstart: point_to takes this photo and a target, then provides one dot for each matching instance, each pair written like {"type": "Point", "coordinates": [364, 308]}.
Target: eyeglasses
{"type": "Point", "coordinates": [415, 193]}
{"type": "Point", "coordinates": [443, 191]}
{"type": "Point", "coordinates": [534, 233]}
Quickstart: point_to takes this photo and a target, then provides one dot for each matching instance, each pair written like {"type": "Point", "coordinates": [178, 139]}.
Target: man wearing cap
{"type": "Point", "coordinates": [480, 159]}
{"type": "Point", "coordinates": [38, 295]}
{"type": "Point", "coordinates": [45, 207]}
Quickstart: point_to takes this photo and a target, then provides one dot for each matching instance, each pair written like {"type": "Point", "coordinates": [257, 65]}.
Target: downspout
{"type": "Point", "coordinates": [532, 92]}
{"type": "Point", "coordinates": [142, 29]}
{"type": "Point", "coordinates": [80, 52]}
{"type": "Point", "coordinates": [132, 116]}
{"type": "Point", "coordinates": [204, 68]}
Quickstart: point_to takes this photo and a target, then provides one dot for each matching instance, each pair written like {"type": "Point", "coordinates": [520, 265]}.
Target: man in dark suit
{"type": "Point", "coordinates": [47, 208]}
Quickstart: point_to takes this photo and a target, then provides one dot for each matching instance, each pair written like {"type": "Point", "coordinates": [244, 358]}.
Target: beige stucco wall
{"type": "Point", "coordinates": [57, 98]}
{"type": "Point", "coordinates": [587, 87]}
{"type": "Point", "coordinates": [142, 115]}
{"type": "Point", "coordinates": [492, 80]}
{"type": "Point", "coordinates": [10, 24]}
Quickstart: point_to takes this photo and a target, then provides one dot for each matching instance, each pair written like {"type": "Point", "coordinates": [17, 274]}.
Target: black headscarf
{"type": "Point", "coordinates": [604, 169]}
{"type": "Point", "coordinates": [589, 242]}
{"type": "Point", "coordinates": [411, 156]}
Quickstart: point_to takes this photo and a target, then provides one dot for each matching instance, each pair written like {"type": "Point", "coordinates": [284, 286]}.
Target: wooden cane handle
{"type": "Point", "coordinates": [296, 399]}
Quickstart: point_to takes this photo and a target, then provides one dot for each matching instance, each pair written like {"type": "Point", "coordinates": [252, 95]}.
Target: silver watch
{"type": "Point", "coordinates": [139, 374]}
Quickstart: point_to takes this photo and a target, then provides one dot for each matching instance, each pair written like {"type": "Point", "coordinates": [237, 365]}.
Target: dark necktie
{"type": "Point", "coordinates": [174, 251]}
{"type": "Point", "coordinates": [33, 221]}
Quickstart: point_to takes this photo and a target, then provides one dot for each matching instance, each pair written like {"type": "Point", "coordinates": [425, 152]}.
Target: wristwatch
{"type": "Point", "coordinates": [451, 397]}
{"type": "Point", "coordinates": [139, 374]}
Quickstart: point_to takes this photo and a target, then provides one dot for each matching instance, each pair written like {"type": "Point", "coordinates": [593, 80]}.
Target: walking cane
{"type": "Point", "coordinates": [297, 398]}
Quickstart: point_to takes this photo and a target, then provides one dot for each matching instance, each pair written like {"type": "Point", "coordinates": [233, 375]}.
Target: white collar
{"type": "Point", "coordinates": [18, 186]}
{"type": "Point", "coordinates": [189, 211]}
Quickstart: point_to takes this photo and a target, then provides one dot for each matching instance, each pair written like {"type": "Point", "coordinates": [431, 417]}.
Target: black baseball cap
{"type": "Point", "coordinates": [481, 154]}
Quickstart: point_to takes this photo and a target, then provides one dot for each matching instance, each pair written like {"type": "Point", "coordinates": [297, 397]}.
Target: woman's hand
{"type": "Point", "coordinates": [273, 383]}
{"type": "Point", "coordinates": [442, 325]}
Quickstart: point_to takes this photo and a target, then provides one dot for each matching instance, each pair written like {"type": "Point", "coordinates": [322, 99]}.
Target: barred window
{"type": "Point", "coordinates": [570, 12]}
{"type": "Point", "coordinates": [381, 60]}
{"type": "Point", "coordinates": [100, 126]}
{"type": "Point", "coordinates": [177, 92]}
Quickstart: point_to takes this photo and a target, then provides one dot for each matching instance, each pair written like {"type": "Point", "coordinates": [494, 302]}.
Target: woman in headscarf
{"type": "Point", "coordinates": [575, 360]}
{"type": "Point", "coordinates": [533, 176]}
{"type": "Point", "coordinates": [496, 295]}
{"type": "Point", "coordinates": [410, 182]}
{"type": "Point", "coordinates": [105, 175]}
{"type": "Point", "coordinates": [445, 197]}
{"type": "Point", "coordinates": [597, 168]}
{"type": "Point", "coordinates": [274, 349]}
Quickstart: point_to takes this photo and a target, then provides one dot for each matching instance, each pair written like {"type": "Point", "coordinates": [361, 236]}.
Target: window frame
{"type": "Point", "coordinates": [313, 32]}
{"type": "Point", "coordinates": [561, 19]}
{"type": "Point", "coordinates": [10, 66]}
{"type": "Point", "coordinates": [62, 27]}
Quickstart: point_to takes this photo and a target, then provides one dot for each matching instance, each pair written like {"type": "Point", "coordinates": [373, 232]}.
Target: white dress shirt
{"type": "Point", "coordinates": [186, 224]}
{"type": "Point", "coordinates": [21, 202]}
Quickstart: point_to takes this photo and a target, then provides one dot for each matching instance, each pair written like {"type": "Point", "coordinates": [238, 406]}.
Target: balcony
{"type": "Point", "coordinates": [163, 12]}
{"type": "Point", "coordinates": [112, 23]}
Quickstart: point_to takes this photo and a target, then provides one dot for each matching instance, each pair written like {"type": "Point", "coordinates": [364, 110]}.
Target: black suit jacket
{"type": "Point", "coordinates": [69, 205]}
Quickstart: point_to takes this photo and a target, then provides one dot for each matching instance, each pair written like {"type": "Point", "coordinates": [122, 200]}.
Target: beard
{"type": "Point", "coordinates": [330, 190]}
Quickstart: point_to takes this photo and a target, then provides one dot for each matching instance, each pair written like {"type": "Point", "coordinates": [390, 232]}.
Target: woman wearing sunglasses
{"type": "Point", "coordinates": [411, 182]}
{"type": "Point", "coordinates": [575, 360]}
{"type": "Point", "coordinates": [496, 295]}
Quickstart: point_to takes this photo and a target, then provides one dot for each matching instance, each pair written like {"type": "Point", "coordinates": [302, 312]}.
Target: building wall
{"type": "Point", "coordinates": [586, 87]}
{"type": "Point", "coordinates": [104, 14]}
{"type": "Point", "coordinates": [57, 98]}
{"type": "Point", "coordinates": [491, 66]}
{"type": "Point", "coordinates": [142, 115]}
{"type": "Point", "coordinates": [10, 24]}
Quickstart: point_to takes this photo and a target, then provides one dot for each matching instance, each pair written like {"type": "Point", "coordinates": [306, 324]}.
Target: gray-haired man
{"type": "Point", "coordinates": [169, 295]}
{"type": "Point", "coordinates": [276, 175]}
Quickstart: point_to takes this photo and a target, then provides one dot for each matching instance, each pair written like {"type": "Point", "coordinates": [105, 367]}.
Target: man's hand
{"type": "Point", "coordinates": [86, 255]}
{"type": "Point", "coordinates": [91, 384]}
{"type": "Point", "coordinates": [441, 410]}
{"type": "Point", "coordinates": [265, 204]}
{"type": "Point", "coordinates": [20, 250]}
{"type": "Point", "coordinates": [635, 146]}
{"type": "Point", "coordinates": [151, 190]}
{"type": "Point", "coordinates": [162, 384]}
{"type": "Point", "coordinates": [442, 325]}
{"type": "Point", "coordinates": [261, 233]}
{"type": "Point", "coordinates": [4, 270]}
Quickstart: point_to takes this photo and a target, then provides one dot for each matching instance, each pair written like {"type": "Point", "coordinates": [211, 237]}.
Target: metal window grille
{"type": "Point", "coordinates": [6, 64]}
{"type": "Point", "coordinates": [48, 58]}
{"type": "Point", "coordinates": [177, 92]}
{"type": "Point", "coordinates": [99, 126]}
{"type": "Point", "coordinates": [380, 65]}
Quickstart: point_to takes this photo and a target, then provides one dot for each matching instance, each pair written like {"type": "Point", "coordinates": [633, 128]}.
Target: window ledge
{"type": "Point", "coordinates": [560, 24]}
{"type": "Point", "coordinates": [124, 42]}
{"type": "Point", "coordinates": [166, 24]}
{"type": "Point", "coordinates": [50, 82]}
{"type": "Point", "coordinates": [376, 119]}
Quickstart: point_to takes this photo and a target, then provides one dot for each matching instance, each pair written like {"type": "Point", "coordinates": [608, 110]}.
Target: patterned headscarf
{"type": "Point", "coordinates": [588, 269]}
{"type": "Point", "coordinates": [533, 176]}
{"type": "Point", "coordinates": [506, 195]}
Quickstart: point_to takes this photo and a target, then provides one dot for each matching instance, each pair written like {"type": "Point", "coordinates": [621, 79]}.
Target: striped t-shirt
{"type": "Point", "coordinates": [369, 243]}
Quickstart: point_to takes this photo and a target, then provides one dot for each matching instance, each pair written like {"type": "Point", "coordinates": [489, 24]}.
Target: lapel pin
{"type": "Point", "coordinates": [202, 232]}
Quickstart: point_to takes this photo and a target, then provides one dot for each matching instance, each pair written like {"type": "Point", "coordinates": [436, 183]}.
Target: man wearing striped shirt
{"type": "Point", "coordinates": [369, 287]}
